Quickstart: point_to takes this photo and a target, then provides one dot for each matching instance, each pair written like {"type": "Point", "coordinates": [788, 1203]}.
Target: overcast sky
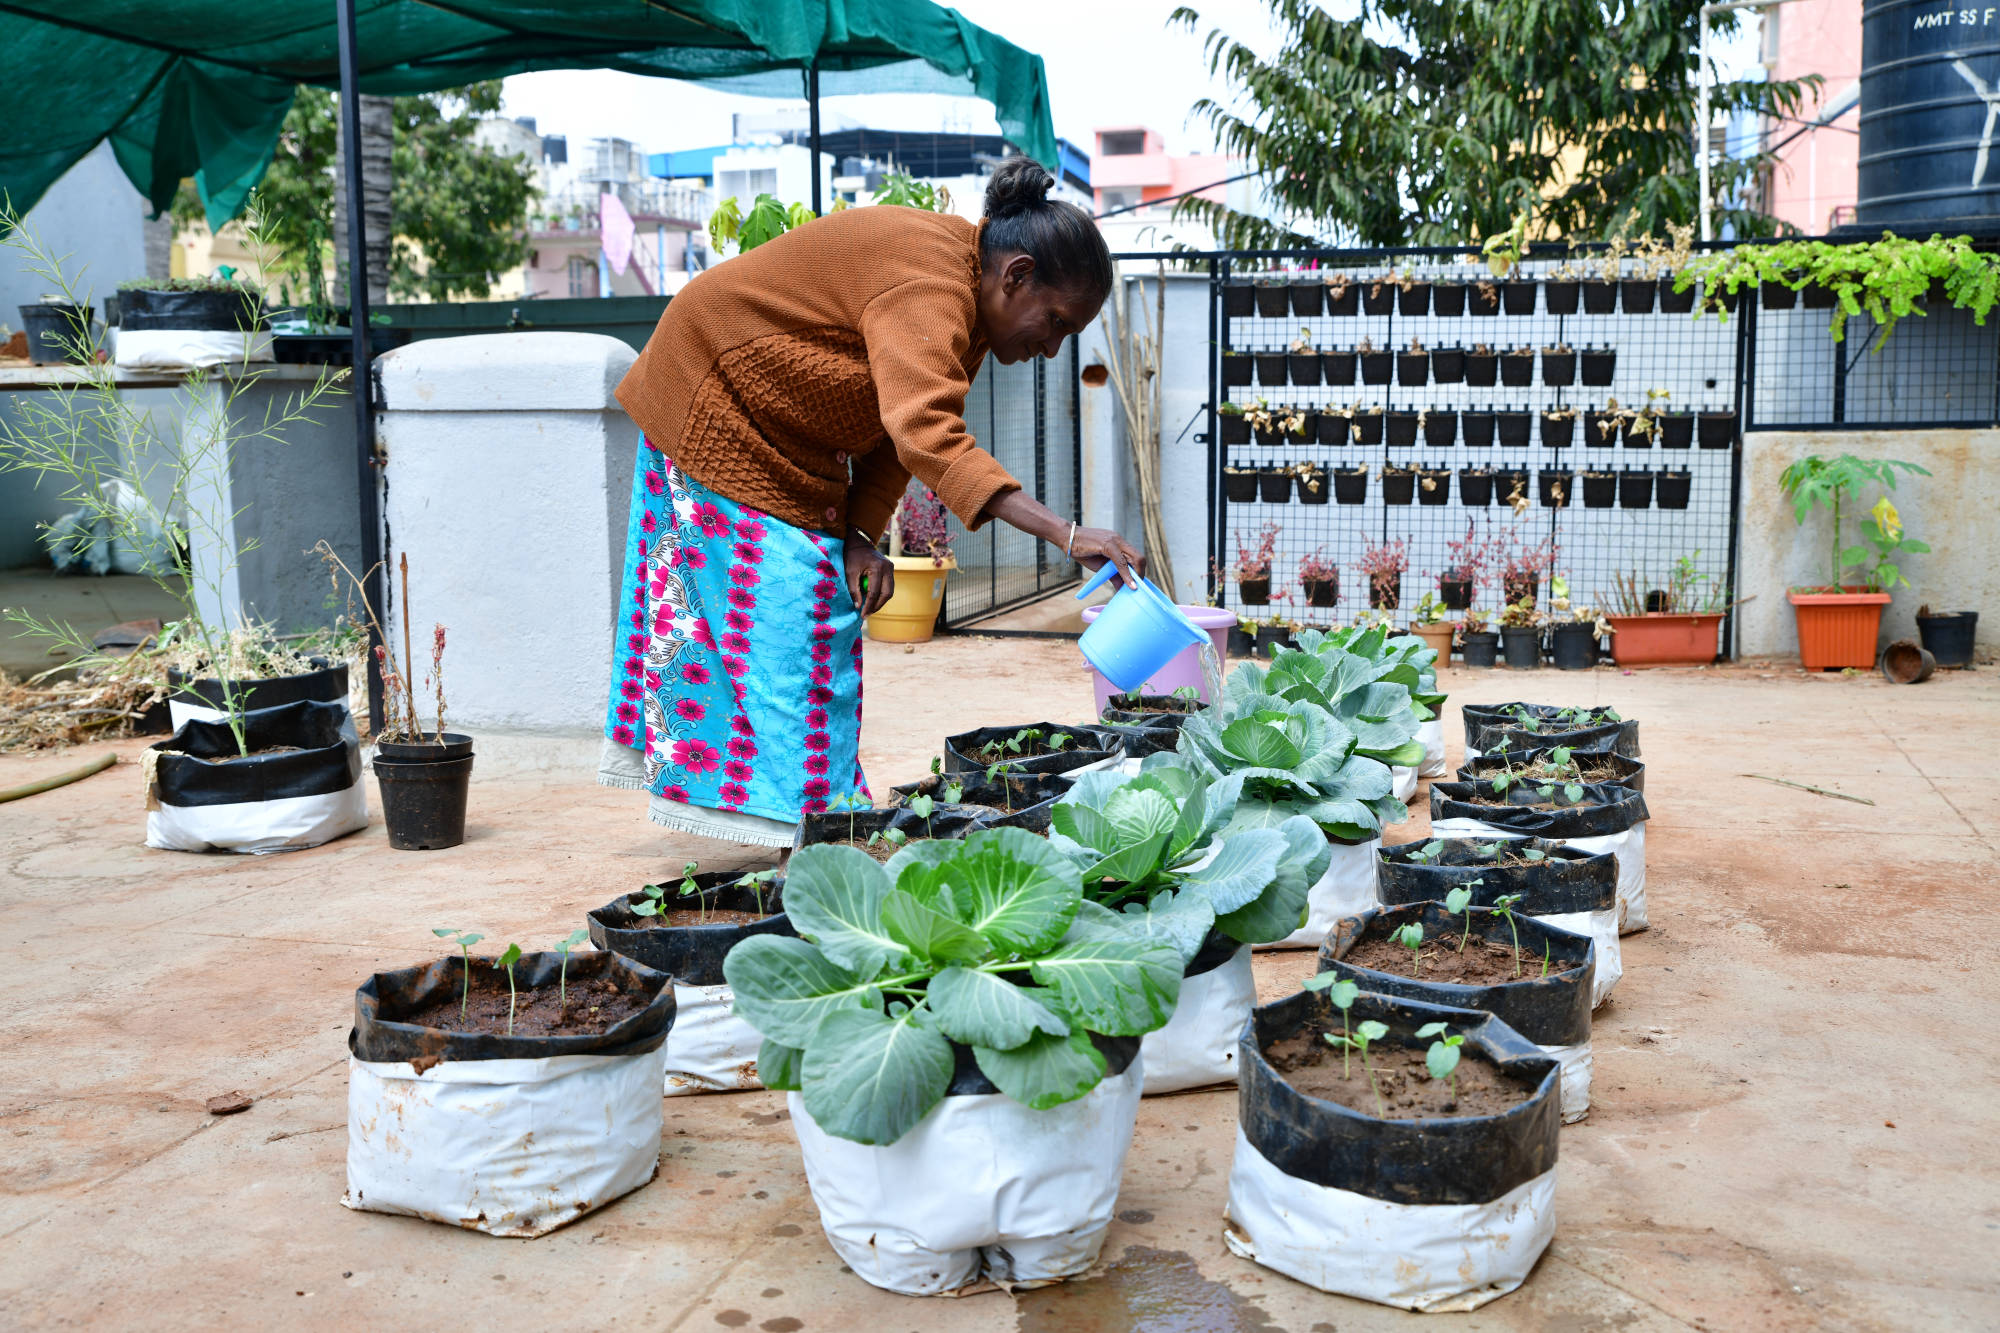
{"type": "Point", "coordinates": [1110, 62]}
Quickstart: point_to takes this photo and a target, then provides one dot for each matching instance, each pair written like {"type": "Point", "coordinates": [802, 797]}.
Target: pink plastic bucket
{"type": "Point", "coordinates": [1185, 668]}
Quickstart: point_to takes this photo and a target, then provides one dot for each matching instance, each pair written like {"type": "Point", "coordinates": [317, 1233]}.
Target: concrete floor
{"type": "Point", "coordinates": [1794, 1113]}
{"type": "Point", "coordinates": [88, 604]}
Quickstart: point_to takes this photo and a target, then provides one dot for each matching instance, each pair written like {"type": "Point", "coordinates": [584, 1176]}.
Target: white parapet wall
{"type": "Point", "coordinates": [507, 481]}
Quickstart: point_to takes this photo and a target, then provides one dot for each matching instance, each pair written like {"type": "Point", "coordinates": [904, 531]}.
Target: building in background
{"type": "Point", "coordinates": [1133, 172]}
{"type": "Point", "coordinates": [1812, 186]}
{"type": "Point", "coordinates": [566, 239]}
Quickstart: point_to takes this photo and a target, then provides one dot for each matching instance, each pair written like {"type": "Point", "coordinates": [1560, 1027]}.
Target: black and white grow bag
{"type": "Point", "coordinates": [709, 1049]}
{"type": "Point", "coordinates": [513, 1136]}
{"type": "Point", "coordinates": [202, 698]}
{"type": "Point", "coordinates": [1572, 890]}
{"type": "Point", "coordinates": [201, 795]}
{"type": "Point", "coordinates": [1197, 1047]}
{"type": "Point", "coordinates": [1007, 793]}
{"type": "Point", "coordinates": [1609, 819]}
{"type": "Point", "coordinates": [1551, 1011]}
{"type": "Point", "coordinates": [1433, 1215]}
{"type": "Point", "coordinates": [1087, 747]}
{"type": "Point", "coordinates": [1622, 772]}
{"type": "Point", "coordinates": [945, 822]}
{"type": "Point", "coordinates": [1498, 727]}
{"type": "Point", "coordinates": [982, 1188]}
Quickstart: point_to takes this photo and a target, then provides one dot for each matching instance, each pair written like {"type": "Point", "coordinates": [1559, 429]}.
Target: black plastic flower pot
{"type": "Point", "coordinates": [1635, 489]}
{"type": "Point", "coordinates": [1350, 485]}
{"type": "Point", "coordinates": [1308, 426]}
{"type": "Point", "coordinates": [1308, 298]}
{"type": "Point", "coordinates": [1600, 490]}
{"type": "Point", "coordinates": [1237, 368]}
{"type": "Point", "coordinates": [1482, 369]}
{"type": "Point", "coordinates": [1440, 428]}
{"type": "Point", "coordinates": [1304, 367]}
{"type": "Point", "coordinates": [1271, 636]}
{"type": "Point", "coordinates": [53, 329]}
{"type": "Point", "coordinates": [1671, 490]}
{"type": "Point", "coordinates": [1239, 300]}
{"type": "Point", "coordinates": [1558, 430]}
{"type": "Point", "coordinates": [1322, 593]}
{"type": "Point", "coordinates": [1603, 430]}
{"type": "Point", "coordinates": [1399, 486]}
{"type": "Point", "coordinates": [1414, 300]}
{"type": "Point", "coordinates": [1507, 481]}
{"type": "Point", "coordinates": [1254, 592]}
{"type": "Point", "coordinates": [1677, 303]}
{"type": "Point", "coordinates": [1556, 486]}
{"type": "Point", "coordinates": [1520, 588]}
{"type": "Point", "coordinates": [1448, 299]}
{"type": "Point", "coordinates": [1558, 369]}
{"type": "Point", "coordinates": [1233, 427]}
{"type": "Point", "coordinates": [1776, 296]}
{"type": "Point", "coordinates": [1573, 647]}
{"type": "Point", "coordinates": [1456, 594]}
{"type": "Point", "coordinates": [1344, 300]}
{"type": "Point", "coordinates": [1718, 430]}
{"type": "Point", "coordinates": [1448, 365]}
{"type": "Point", "coordinates": [1270, 435]}
{"type": "Point", "coordinates": [1240, 642]}
{"type": "Point", "coordinates": [1722, 298]}
{"type": "Point", "coordinates": [1479, 648]}
{"type": "Point", "coordinates": [1475, 491]}
{"type": "Point", "coordinates": [1402, 428]}
{"type": "Point", "coordinates": [1675, 429]}
{"type": "Point", "coordinates": [423, 804]}
{"type": "Point", "coordinates": [1518, 295]}
{"type": "Point", "coordinates": [1434, 485]}
{"type": "Point", "coordinates": [1600, 296]}
{"type": "Point", "coordinates": [1817, 297]}
{"type": "Point", "coordinates": [1638, 294]}
{"type": "Point", "coordinates": [1638, 431]}
{"type": "Point", "coordinates": [1599, 367]}
{"type": "Point", "coordinates": [1478, 429]}
{"type": "Point", "coordinates": [1521, 647]}
{"type": "Point", "coordinates": [1332, 428]}
{"type": "Point", "coordinates": [1368, 428]}
{"type": "Point", "coordinates": [1240, 488]}
{"type": "Point", "coordinates": [1560, 296]}
{"type": "Point", "coordinates": [1948, 636]}
{"type": "Point", "coordinates": [1378, 296]}
{"type": "Point", "coordinates": [1413, 369]}
{"type": "Point", "coordinates": [427, 748]}
{"type": "Point", "coordinates": [1513, 428]}
{"type": "Point", "coordinates": [1337, 367]}
{"type": "Point", "coordinates": [1385, 594]}
{"type": "Point", "coordinates": [1517, 368]}
{"type": "Point", "coordinates": [692, 954]}
{"type": "Point", "coordinates": [1274, 300]}
{"type": "Point", "coordinates": [1377, 367]}
{"type": "Point", "coordinates": [1274, 485]}
{"type": "Point", "coordinates": [1313, 489]}
{"type": "Point", "coordinates": [1482, 298]}
{"type": "Point", "coordinates": [1272, 368]}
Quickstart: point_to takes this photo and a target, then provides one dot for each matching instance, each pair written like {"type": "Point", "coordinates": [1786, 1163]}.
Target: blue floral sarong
{"type": "Point", "coordinates": [736, 671]}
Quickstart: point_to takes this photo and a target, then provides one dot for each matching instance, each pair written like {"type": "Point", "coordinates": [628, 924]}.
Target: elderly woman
{"type": "Point", "coordinates": [786, 399]}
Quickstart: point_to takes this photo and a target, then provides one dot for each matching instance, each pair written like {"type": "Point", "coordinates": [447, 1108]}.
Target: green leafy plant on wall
{"type": "Point", "coordinates": [1886, 280]}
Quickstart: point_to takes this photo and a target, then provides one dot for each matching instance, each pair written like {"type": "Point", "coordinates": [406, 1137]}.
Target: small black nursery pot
{"type": "Point", "coordinates": [1600, 296]}
{"type": "Point", "coordinates": [1479, 647]}
{"type": "Point", "coordinates": [1573, 647]}
{"type": "Point", "coordinates": [1433, 485]}
{"type": "Point", "coordinates": [1517, 367]}
{"type": "Point", "coordinates": [1482, 369]}
{"type": "Point", "coordinates": [1239, 300]}
{"type": "Point", "coordinates": [1273, 368]}
{"type": "Point", "coordinates": [1522, 646]}
{"type": "Point", "coordinates": [1344, 300]}
{"type": "Point", "coordinates": [1599, 367]}
{"type": "Point", "coordinates": [1273, 300]}
{"type": "Point", "coordinates": [1635, 489]}
{"type": "Point", "coordinates": [1600, 490]}
{"type": "Point", "coordinates": [1237, 368]}
{"type": "Point", "coordinates": [1413, 369]}
{"type": "Point", "coordinates": [1558, 429]}
{"type": "Point", "coordinates": [1560, 296]}
{"type": "Point", "coordinates": [1556, 486]}
{"type": "Point", "coordinates": [1478, 430]}
{"type": "Point", "coordinates": [1675, 429]}
{"type": "Point", "coordinates": [1402, 427]}
{"type": "Point", "coordinates": [1448, 365]}
{"type": "Point", "coordinates": [1414, 300]}
{"type": "Point", "coordinates": [1274, 485]}
{"type": "Point", "coordinates": [1377, 367]}
{"type": "Point", "coordinates": [1350, 485]}
{"type": "Point", "coordinates": [1308, 297]}
{"type": "Point", "coordinates": [1673, 302]}
{"type": "Point", "coordinates": [1337, 367]}
{"type": "Point", "coordinates": [1368, 427]}
{"type": "Point", "coordinates": [1378, 295]}
{"type": "Point", "coordinates": [1513, 428]}
{"type": "Point", "coordinates": [1671, 490]}
{"type": "Point", "coordinates": [1518, 295]}
{"type": "Point", "coordinates": [1638, 295]}
{"type": "Point", "coordinates": [1718, 430]}
{"type": "Point", "coordinates": [1305, 367]}
{"type": "Point", "coordinates": [1558, 368]}
{"type": "Point", "coordinates": [1399, 485]}
{"type": "Point", "coordinates": [1440, 428]}
{"type": "Point", "coordinates": [1448, 299]}
{"type": "Point", "coordinates": [1239, 485]}
{"type": "Point", "coordinates": [1482, 298]}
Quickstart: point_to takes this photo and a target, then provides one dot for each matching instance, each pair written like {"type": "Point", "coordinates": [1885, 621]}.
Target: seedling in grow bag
{"type": "Point", "coordinates": [1460, 900]}
{"type": "Point", "coordinates": [922, 806]}
{"type": "Point", "coordinates": [893, 837]}
{"type": "Point", "coordinates": [1411, 937]}
{"type": "Point", "coordinates": [953, 792]}
{"type": "Point", "coordinates": [759, 880]}
{"type": "Point", "coordinates": [576, 937]}
{"type": "Point", "coordinates": [1504, 905]}
{"type": "Point", "coordinates": [507, 960]}
{"type": "Point", "coordinates": [1366, 1032]}
{"type": "Point", "coordinates": [464, 939]}
{"type": "Point", "coordinates": [654, 896]}
{"type": "Point", "coordinates": [1340, 993]}
{"type": "Point", "coordinates": [1442, 1057]}
{"type": "Point", "coordinates": [1428, 853]}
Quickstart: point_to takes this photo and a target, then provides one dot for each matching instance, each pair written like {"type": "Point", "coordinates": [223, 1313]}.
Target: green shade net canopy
{"type": "Point", "coordinates": [200, 87]}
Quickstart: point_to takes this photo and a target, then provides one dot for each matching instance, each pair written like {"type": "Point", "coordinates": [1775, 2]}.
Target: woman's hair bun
{"type": "Point", "coordinates": [1020, 184]}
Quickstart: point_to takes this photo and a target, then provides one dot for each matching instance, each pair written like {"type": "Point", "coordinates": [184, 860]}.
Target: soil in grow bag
{"type": "Point", "coordinates": [1237, 368]}
{"type": "Point", "coordinates": [1273, 299]}
{"type": "Point", "coordinates": [1558, 429]}
{"type": "Point", "coordinates": [1337, 367]}
{"type": "Point", "coordinates": [1350, 485]}
{"type": "Point", "coordinates": [1304, 367]}
{"type": "Point", "coordinates": [1239, 301]}
{"type": "Point", "coordinates": [1518, 295]}
{"type": "Point", "coordinates": [1368, 427]}
{"type": "Point", "coordinates": [1599, 367]}
{"type": "Point", "coordinates": [688, 937]}
{"type": "Point", "coordinates": [1239, 485]}
{"type": "Point", "coordinates": [1272, 368]}
{"type": "Point", "coordinates": [1308, 298]}
{"type": "Point", "coordinates": [1638, 294]}
{"type": "Point", "coordinates": [1414, 300]}
{"type": "Point", "coordinates": [1482, 369]}
{"type": "Point", "coordinates": [1672, 489]}
{"type": "Point", "coordinates": [1440, 428]}
{"type": "Point", "coordinates": [1433, 485]}
{"type": "Point", "coordinates": [582, 1006]}
{"type": "Point", "coordinates": [1558, 368]}
{"type": "Point", "coordinates": [1399, 485]}
{"type": "Point", "coordinates": [1635, 489]}
{"type": "Point", "coordinates": [1413, 369]}
{"type": "Point", "coordinates": [1478, 430]}
{"type": "Point", "coordinates": [859, 828]}
{"type": "Point", "coordinates": [1513, 428]}
{"type": "Point", "coordinates": [1536, 766]}
{"type": "Point", "coordinates": [1600, 489]}
{"type": "Point", "coordinates": [1311, 1064]}
{"type": "Point", "coordinates": [1402, 429]}
{"type": "Point", "coordinates": [1274, 485]}
{"type": "Point", "coordinates": [1517, 367]}
{"type": "Point", "coordinates": [1377, 367]}
{"type": "Point", "coordinates": [1482, 298]}
{"type": "Point", "coordinates": [1448, 365]}
{"type": "Point", "coordinates": [1475, 487]}
{"type": "Point", "coordinates": [1555, 487]}
{"type": "Point", "coordinates": [1500, 728]}
{"type": "Point", "coordinates": [977, 750]}
{"type": "Point", "coordinates": [1718, 430]}
{"type": "Point", "coordinates": [414, 1013]}
{"type": "Point", "coordinates": [1378, 296]}
{"type": "Point", "coordinates": [1600, 296]}
{"type": "Point", "coordinates": [1448, 299]}
{"type": "Point", "coordinates": [1011, 793]}
{"type": "Point", "coordinates": [1146, 709]}
{"type": "Point", "coordinates": [1675, 429]}
{"type": "Point", "coordinates": [1560, 296]}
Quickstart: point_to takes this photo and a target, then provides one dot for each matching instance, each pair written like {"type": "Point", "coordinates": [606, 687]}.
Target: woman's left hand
{"type": "Point", "coordinates": [864, 561]}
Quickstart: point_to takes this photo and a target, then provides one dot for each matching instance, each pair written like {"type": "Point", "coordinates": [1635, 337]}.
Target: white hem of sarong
{"type": "Point", "coordinates": [624, 767]}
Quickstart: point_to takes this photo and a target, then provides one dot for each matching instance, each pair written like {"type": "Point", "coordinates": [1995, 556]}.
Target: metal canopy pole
{"type": "Point", "coordinates": [361, 382]}
{"type": "Point", "coordinates": [812, 131]}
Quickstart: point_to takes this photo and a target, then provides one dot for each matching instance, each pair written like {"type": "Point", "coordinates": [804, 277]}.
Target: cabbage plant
{"type": "Point", "coordinates": [1151, 848]}
{"type": "Point", "coordinates": [988, 942]}
{"type": "Point", "coordinates": [1294, 758]}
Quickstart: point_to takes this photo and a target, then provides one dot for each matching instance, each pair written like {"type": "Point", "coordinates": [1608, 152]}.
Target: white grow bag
{"type": "Point", "coordinates": [188, 349]}
{"type": "Point", "coordinates": [981, 1188]}
{"type": "Point", "coordinates": [1346, 889]}
{"type": "Point", "coordinates": [1431, 733]}
{"type": "Point", "coordinates": [1602, 927]}
{"type": "Point", "coordinates": [1403, 782]}
{"type": "Point", "coordinates": [280, 802]}
{"type": "Point", "coordinates": [508, 1147]}
{"type": "Point", "coordinates": [1629, 847]}
{"type": "Point", "coordinates": [1197, 1047]}
{"type": "Point", "coordinates": [710, 1049]}
{"type": "Point", "coordinates": [1428, 1257]}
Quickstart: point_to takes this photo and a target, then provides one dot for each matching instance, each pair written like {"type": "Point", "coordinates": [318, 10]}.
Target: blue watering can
{"type": "Point", "coordinates": [1139, 631]}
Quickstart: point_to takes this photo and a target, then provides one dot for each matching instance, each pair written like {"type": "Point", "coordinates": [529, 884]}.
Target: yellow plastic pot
{"type": "Point", "coordinates": [912, 612]}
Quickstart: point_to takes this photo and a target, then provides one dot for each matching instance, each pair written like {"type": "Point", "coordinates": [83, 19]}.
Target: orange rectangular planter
{"type": "Point", "coordinates": [1661, 638]}
{"type": "Point", "coordinates": [1838, 629]}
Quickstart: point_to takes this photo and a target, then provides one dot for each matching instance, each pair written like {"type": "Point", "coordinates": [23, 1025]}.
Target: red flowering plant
{"type": "Point", "coordinates": [1468, 560]}
{"type": "Point", "coordinates": [1522, 567]}
{"type": "Point", "coordinates": [1384, 564]}
{"type": "Point", "coordinates": [918, 527]}
{"type": "Point", "coordinates": [1254, 562]}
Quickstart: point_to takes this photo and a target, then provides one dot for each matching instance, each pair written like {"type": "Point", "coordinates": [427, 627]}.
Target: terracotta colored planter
{"type": "Point", "coordinates": [1838, 629]}
{"type": "Point", "coordinates": [1661, 639]}
{"type": "Point", "coordinates": [1437, 637]}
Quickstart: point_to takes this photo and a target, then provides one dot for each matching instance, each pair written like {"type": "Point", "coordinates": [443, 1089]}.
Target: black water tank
{"type": "Point", "coordinates": [1930, 114]}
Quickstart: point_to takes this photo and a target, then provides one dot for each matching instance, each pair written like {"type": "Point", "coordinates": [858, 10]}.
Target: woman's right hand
{"type": "Point", "coordinates": [1091, 547]}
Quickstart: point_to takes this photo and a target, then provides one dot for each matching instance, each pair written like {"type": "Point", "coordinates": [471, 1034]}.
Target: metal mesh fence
{"type": "Point", "coordinates": [1935, 368]}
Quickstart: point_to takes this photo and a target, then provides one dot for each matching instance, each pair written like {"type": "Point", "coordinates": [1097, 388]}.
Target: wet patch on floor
{"type": "Point", "coordinates": [1146, 1291]}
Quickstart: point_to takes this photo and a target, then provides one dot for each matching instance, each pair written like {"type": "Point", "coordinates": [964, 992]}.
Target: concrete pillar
{"type": "Point", "coordinates": [508, 476]}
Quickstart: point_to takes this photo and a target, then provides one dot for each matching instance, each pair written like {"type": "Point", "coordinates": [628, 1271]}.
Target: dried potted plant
{"type": "Point", "coordinates": [1413, 365]}
{"type": "Point", "coordinates": [1343, 294]}
{"type": "Point", "coordinates": [1384, 563]}
{"type": "Point", "coordinates": [1253, 566]}
{"type": "Point", "coordinates": [1521, 568]}
{"type": "Point", "coordinates": [1231, 424]}
{"type": "Point", "coordinates": [1482, 366]}
{"type": "Point", "coordinates": [1559, 366]}
{"type": "Point", "coordinates": [1376, 365]}
{"type": "Point", "coordinates": [1399, 484]}
{"type": "Point", "coordinates": [1673, 625]}
{"type": "Point", "coordinates": [1313, 483]}
{"type": "Point", "coordinates": [1302, 359]}
{"type": "Point", "coordinates": [1466, 559]}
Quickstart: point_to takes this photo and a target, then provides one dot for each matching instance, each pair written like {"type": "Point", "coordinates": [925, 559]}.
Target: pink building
{"type": "Point", "coordinates": [1132, 166]}
{"type": "Point", "coordinates": [1813, 185]}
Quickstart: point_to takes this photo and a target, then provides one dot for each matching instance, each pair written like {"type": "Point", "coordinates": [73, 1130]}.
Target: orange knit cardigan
{"type": "Point", "coordinates": [776, 378]}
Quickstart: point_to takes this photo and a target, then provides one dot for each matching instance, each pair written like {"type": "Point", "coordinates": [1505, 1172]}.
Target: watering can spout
{"type": "Point", "coordinates": [1104, 574]}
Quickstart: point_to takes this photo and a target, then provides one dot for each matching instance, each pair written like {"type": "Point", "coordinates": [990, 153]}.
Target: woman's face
{"type": "Point", "coordinates": [1021, 318]}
